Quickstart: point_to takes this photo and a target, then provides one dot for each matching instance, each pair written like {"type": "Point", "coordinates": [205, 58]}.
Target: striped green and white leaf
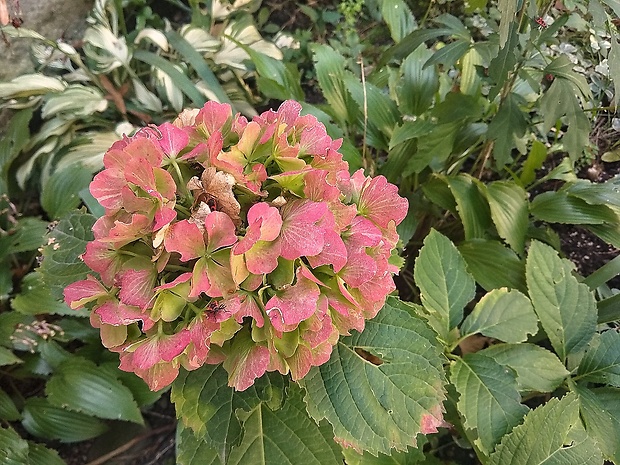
{"type": "Point", "coordinates": [565, 307]}
{"type": "Point", "coordinates": [28, 85]}
{"type": "Point", "coordinates": [489, 400]}
{"type": "Point", "coordinates": [381, 407]}
{"type": "Point", "coordinates": [551, 434]}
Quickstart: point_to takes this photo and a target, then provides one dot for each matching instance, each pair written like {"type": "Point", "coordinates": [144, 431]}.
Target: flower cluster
{"type": "Point", "coordinates": [235, 241]}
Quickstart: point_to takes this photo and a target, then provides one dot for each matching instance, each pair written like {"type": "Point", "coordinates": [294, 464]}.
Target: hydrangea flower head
{"type": "Point", "coordinates": [247, 243]}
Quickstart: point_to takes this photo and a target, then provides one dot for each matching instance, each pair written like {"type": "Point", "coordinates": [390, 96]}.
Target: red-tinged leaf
{"type": "Point", "coordinates": [82, 292]}
{"type": "Point", "coordinates": [263, 257]}
{"type": "Point", "coordinates": [214, 117]}
{"type": "Point", "coordinates": [173, 139]}
{"type": "Point", "coordinates": [293, 305]}
{"type": "Point", "coordinates": [379, 201]}
{"type": "Point", "coordinates": [220, 231]}
{"type": "Point", "coordinates": [156, 348]}
{"type": "Point", "coordinates": [107, 187]}
{"type": "Point", "coordinates": [185, 238]}
{"type": "Point", "coordinates": [245, 362]}
{"type": "Point", "coordinates": [117, 314]}
{"type": "Point", "coordinates": [137, 287]}
{"type": "Point", "coordinates": [301, 235]}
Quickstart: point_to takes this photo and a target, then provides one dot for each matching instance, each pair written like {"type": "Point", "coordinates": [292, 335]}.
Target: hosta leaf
{"type": "Point", "coordinates": [503, 314]}
{"type": "Point", "coordinates": [82, 386]}
{"type": "Point", "coordinates": [28, 85]}
{"type": "Point", "coordinates": [398, 17]}
{"type": "Point", "coordinates": [538, 370]}
{"type": "Point", "coordinates": [489, 400]}
{"type": "Point", "coordinates": [551, 435]}
{"type": "Point", "coordinates": [8, 410]}
{"type": "Point", "coordinates": [445, 285]}
{"type": "Point", "coordinates": [60, 192]}
{"type": "Point", "coordinates": [600, 409]}
{"type": "Point", "coordinates": [380, 407]}
{"type": "Point", "coordinates": [61, 264]}
{"type": "Point", "coordinates": [471, 205]}
{"type": "Point", "coordinates": [44, 420]}
{"type": "Point", "coordinates": [508, 10]}
{"type": "Point", "coordinates": [601, 362]}
{"type": "Point", "coordinates": [509, 210]}
{"type": "Point", "coordinates": [559, 207]}
{"type": "Point", "coordinates": [416, 90]}
{"type": "Point", "coordinates": [36, 298]}
{"type": "Point", "coordinates": [17, 451]}
{"type": "Point", "coordinates": [565, 307]}
{"type": "Point", "coordinates": [76, 100]}
{"type": "Point", "coordinates": [205, 403]}
{"type": "Point", "coordinates": [493, 265]}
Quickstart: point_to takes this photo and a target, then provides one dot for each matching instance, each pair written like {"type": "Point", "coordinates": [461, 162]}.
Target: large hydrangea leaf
{"type": "Point", "coordinates": [378, 407]}
{"type": "Point", "coordinates": [272, 436]}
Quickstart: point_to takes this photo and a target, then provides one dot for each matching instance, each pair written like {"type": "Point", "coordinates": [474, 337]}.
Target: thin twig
{"type": "Point", "coordinates": [128, 445]}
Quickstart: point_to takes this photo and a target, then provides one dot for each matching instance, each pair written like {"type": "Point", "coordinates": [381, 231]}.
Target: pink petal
{"type": "Point", "coordinates": [314, 140]}
{"type": "Point", "coordinates": [271, 220]}
{"type": "Point", "coordinates": [334, 252]}
{"type": "Point", "coordinates": [103, 259]}
{"type": "Point", "coordinates": [142, 147]}
{"type": "Point", "coordinates": [137, 287]}
{"type": "Point", "coordinates": [214, 117]}
{"type": "Point", "coordinates": [295, 304]}
{"type": "Point", "coordinates": [220, 231]}
{"type": "Point", "coordinates": [317, 188]}
{"type": "Point", "coordinates": [200, 278]}
{"type": "Point", "coordinates": [263, 257]}
{"type": "Point", "coordinates": [173, 139]}
{"type": "Point", "coordinates": [300, 233]}
{"type": "Point", "coordinates": [116, 313]}
{"type": "Point", "coordinates": [359, 269]}
{"type": "Point", "coordinates": [159, 348]}
{"type": "Point", "coordinates": [379, 201]}
{"type": "Point", "coordinates": [220, 275]}
{"type": "Point", "coordinates": [163, 217]}
{"type": "Point", "coordinates": [125, 233]}
{"type": "Point", "coordinates": [106, 188]}
{"type": "Point", "coordinates": [185, 238]}
{"type": "Point", "coordinates": [81, 292]}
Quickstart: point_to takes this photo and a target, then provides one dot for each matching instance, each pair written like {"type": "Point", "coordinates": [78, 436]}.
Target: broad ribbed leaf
{"type": "Point", "coordinates": [82, 386]}
{"type": "Point", "coordinates": [600, 409]}
{"type": "Point", "coordinates": [16, 136]}
{"type": "Point", "coordinates": [410, 130]}
{"type": "Point", "coordinates": [8, 411]}
{"type": "Point", "coordinates": [450, 53]}
{"type": "Point", "coordinates": [398, 17]}
{"type": "Point", "coordinates": [76, 100]}
{"type": "Point", "coordinates": [509, 210]}
{"type": "Point", "coordinates": [503, 314]}
{"type": "Point", "coordinates": [493, 265]}
{"type": "Point", "coordinates": [44, 420]}
{"type": "Point", "coordinates": [418, 85]}
{"type": "Point", "coordinates": [41, 455]}
{"type": "Point", "coordinates": [60, 193]}
{"type": "Point", "coordinates": [550, 435]}
{"type": "Point", "coordinates": [559, 207]}
{"type": "Point", "coordinates": [471, 205]}
{"type": "Point", "coordinates": [538, 370]}
{"type": "Point", "coordinates": [380, 407]}
{"type": "Point", "coordinates": [566, 308]}
{"type": "Point", "coordinates": [61, 264]}
{"type": "Point", "coordinates": [601, 362]}
{"type": "Point", "coordinates": [205, 403]}
{"type": "Point", "coordinates": [603, 193]}
{"type": "Point", "coordinates": [445, 285]}
{"type": "Point", "coordinates": [489, 400]}
{"type": "Point", "coordinates": [36, 298]}
{"type": "Point", "coordinates": [17, 451]}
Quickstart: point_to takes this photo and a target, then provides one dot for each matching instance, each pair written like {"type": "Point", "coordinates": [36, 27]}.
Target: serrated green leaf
{"type": "Point", "coordinates": [601, 362]}
{"type": "Point", "coordinates": [398, 17]}
{"type": "Point", "coordinates": [449, 54]}
{"type": "Point", "coordinates": [272, 72]}
{"type": "Point", "coordinates": [538, 370]}
{"type": "Point", "coordinates": [28, 235]}
{"type": "Point", "coordinates": [504, 62]}
{"type": "Point", "coordinates": [7, 357]}
{"type": "Point", "coordinates": [191, 450]}
{"type": "Point", "coordinates": [8, 410]}
{"type": "Point", "coordinates": [16, 136]}
{"type": "Point", "coordinates": [411, 457]}
{"type": "Point", "coordinates": [61, 192]}
{"type": "Point", "coordinates": [552, 435]}
{"type": "Point", "coordinates": [445, 285]}
{"type": "Point", "coordinates": [509, 210]}
{"type": "Point", "coordinates": [205, 403]}
{"type": "Point", "coordinates": [416, 90]}
{"type": "Point", "coordinates": [380, 407]}
{"type": "Point", "coordinates": [61, 264]}
{"type": "Point", "coordinates": [559, 207]}
{"type": "Point", "coordinates": [410, 130]}
{"type": "Point", "coordinates": [503, 314]}
{"type": "Point", "coordinates": [489, 400]}
{"type": "Point", "coordinates": [81, 386]}
{"type": "Point", "coordinates": [600, 409]}
{"type": "Point", "coordinates": [44, 420]}
{"type": "Point", "coordinates": [139, 389]}
{"type": "Point", "coordinates": [566, 308]}
{"type": "Point", "coordinates": [509, 122]}
{"type": "Point", "coordinates": [41, 455]}
{"type": "Point", "coordinates": [434, 148]}
{"type": "Point", "coordinates": [471, 205]}
{"type": "Point", "coordinates": [36, 298]}
{"type": "Point", "coordinates": [13, 449]}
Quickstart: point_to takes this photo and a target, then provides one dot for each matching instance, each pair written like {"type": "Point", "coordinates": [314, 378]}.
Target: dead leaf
{"type": "Point", "coordinates": [215, 190]}
{"type": "Point", "coordinates": [474, 343]}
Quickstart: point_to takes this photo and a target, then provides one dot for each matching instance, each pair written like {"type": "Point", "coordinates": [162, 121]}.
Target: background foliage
{"type": "Point", "coordinates": [496, 119]}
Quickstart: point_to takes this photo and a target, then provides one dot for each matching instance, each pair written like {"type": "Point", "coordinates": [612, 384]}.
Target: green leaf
{"type": "Point", "coordinates": [489, 400]}
{"type": "Point", "coordinates": [534, 161]}
{"type": "Point", "coordinates": [380, 407]}
{"type": "Point", "coordinates": [398, 17]}
{"type": "Point", "coordinates": [29, 85]}
{"type": "Point", "coordinates": [16, 136]}
{"type": "Point", "coordinates": [61, 264]}
{"type": "Point", "coordinates": [82, 386]}
{"type": "Point", "coordinates": [503, 314]}
{"type": "Point", "coordinates": [449, 54]}
{"type": "Point", "coordinates": [559, 207]}
{"type": "Point", "coordinates": [205, 403]}
{"type": "Point", "coordinates": [36, 298]}
{"type": "Point", "coordinates": [28, 234]}
{"type": "Point", "coordinates": [196, 60]}
{"type": "Point", "coordinates": [276, 79]}
{"type": "Point", "coordinates": [609, 309]}
{"type": "Point", "coordinates": [411, 457]}
{"type": "Point", "coordinates": [508, 123]}
{"type": "Point", "coordinates": [44, 420]}
{"type": "Point", "coordinates": [552, 435]}
{"type": "Point", "coordinates": [508, 11]}
{"type": "Point", "coordinates": [608, 271]}
{"type": "Point", "coordinates": [445, 285]}
{"type": "Point", "coordinates": [74, 101]}
{"type": "Point", "coordinates": [566, 308]}
{"type": "Point", "coordinates": [190, 450]}
{"type": "Point", "coordinates": [410, 130]}
{"type": "Point", "coordinates": [600, 409]}
{"type": "Point", "coordinates": [604, 193]}
{"type": "Point", "coordinates": [614, 67]}
{"type": "Point", "coordinates": [504, 62]}
{"type": "Point", "coordinates": [416, 90]}
{"type": "Point", "coordinates": [180, 79]}
{"type": "Point", "coordinates": [471, 205]}
{"type": "Point", "coordinates": [41, 455]}
{"type": "Point", "coordinates": [601, 362]}
{"type": "Point", "coordinates": [61, 192]}
{"type": "Point", "coordinates": [509, 210]}
{"type": "Point", "coordinates": [8, 410]}
{"type": "Point", "coordinates": [17, 451]}
{"type": "Point", "coordinates": [330, 74]}
{"type": "Point", "coordinates": [493, 265]}
{"type": "Point", "coordinates": [7, 357]}
{"type": "Point", "coordinates": [538, 370]}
